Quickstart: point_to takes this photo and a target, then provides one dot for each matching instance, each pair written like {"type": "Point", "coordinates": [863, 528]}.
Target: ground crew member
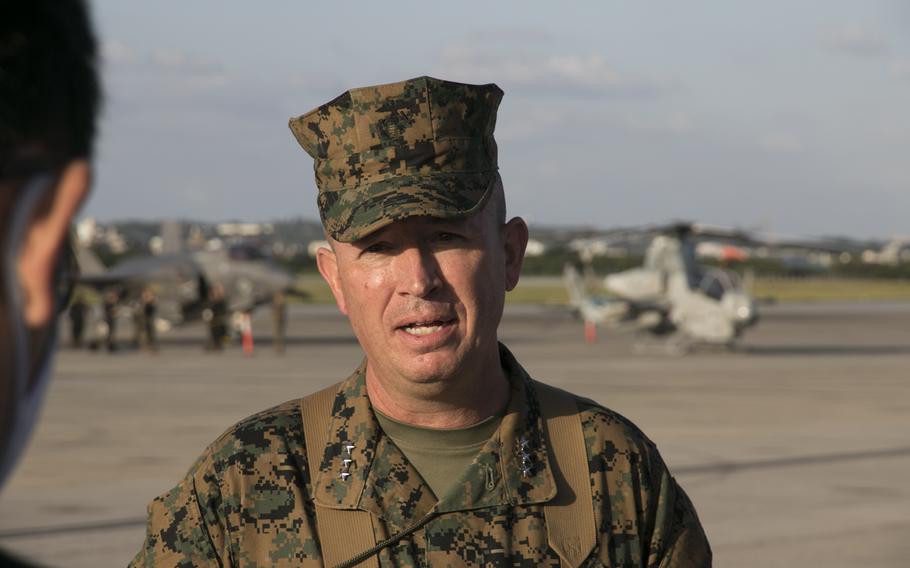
{"type": "Point", "coordinates": [439, 450]}
{"type": "Point", "coordinates": [110, 319]}
{"type": "Point", "coordinates": [149, 308]}
{"type": "Point", "coordinates": [49, 100]}
{"type": "Point", "coordinates": [216, 316]}
{"type": "Point", "coordinates": [77, 320]}
{"type": "Point", "coordinates": [279, 320]}
{"type": "Point", "coordinates": [138, 315]}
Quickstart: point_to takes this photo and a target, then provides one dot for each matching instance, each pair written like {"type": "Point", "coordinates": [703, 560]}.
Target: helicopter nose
{"type": "Point", "coordinates": [744, 312]}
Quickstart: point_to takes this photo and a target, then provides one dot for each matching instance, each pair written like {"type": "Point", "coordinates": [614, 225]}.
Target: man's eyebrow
{"type": "Point", "coordinates": [437, 221]}
{"type": "Point", "coordinates": [369, 239]}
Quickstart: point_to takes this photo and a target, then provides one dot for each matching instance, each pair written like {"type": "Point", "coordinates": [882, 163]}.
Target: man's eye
{"type": "Point", "coordinates": [446, 237]}
{"type": "Point", "coordinates": [377, 248]}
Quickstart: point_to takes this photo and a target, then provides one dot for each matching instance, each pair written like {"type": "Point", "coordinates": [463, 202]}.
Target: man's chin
{"type": "Point", "coordinates": [432, 367]}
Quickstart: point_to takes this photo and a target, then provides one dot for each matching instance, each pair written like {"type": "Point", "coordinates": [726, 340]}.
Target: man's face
{"type": "Point", "coordinates": [424, 295]}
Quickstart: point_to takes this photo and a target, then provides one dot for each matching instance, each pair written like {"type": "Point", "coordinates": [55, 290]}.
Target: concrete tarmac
{"type": "Point", "coordinates": [795, 447]}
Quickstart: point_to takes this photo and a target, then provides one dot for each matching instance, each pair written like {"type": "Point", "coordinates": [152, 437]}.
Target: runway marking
{"type": "Point", "coordinates": [111, 524]}
{"type": "Point", "coordinates": [733, 467]}
{"type": "Point", "coordinates": [717, 467]}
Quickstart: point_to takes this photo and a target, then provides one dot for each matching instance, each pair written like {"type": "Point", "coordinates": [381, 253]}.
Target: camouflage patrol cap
{"type": "Point", "coordinates": [419, 147]}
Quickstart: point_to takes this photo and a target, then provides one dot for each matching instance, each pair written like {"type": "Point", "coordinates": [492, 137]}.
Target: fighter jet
{"type": "Point", "coordinates": [182, 280]}
{"type": "Point", "coordinates": [669, 296]}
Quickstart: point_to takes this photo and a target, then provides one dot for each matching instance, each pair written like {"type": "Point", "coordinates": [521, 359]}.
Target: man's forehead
{"type": "Point", "coordinates": [421, 222]}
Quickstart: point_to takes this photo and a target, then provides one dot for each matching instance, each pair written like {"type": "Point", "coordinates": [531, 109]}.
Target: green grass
{"type": "Point", "coordinates": [549, 290]}
{"type": "Point", "coordinates": [830, 289]}
{"type": "Point", "coordinates": [315, 288]}
{"type": "Point", "coordinates": [534, 291]}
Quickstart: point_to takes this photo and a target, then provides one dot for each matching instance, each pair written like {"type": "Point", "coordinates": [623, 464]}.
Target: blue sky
{"type": "Point", "coordinates": [789, 117]}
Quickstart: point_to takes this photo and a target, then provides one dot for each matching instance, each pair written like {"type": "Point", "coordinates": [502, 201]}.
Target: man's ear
{"type": "Point", "coordinates": [515, 241]}
{"type": "Point", "coordinates": [44, 238]}
{"type": "Point", "coordinates": [328, 267]}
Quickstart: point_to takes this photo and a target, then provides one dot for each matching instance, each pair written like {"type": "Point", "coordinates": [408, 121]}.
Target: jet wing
{"type": "Point", "coordinates": [178, 284]}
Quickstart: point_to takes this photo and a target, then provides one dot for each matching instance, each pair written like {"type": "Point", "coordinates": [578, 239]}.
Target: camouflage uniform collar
{"type": "Point", "coordinates": [512, 468]}
{"type": "Point", "coordinates": [352, 442]}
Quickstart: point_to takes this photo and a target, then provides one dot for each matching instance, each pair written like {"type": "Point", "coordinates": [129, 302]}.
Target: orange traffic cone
{"type": "Point", "coordinates": [590, 331]}
{"type": "Point", "coordinates": [246, 335]}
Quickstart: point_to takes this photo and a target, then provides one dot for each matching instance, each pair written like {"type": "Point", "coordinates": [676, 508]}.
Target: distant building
{"type": "Point", "coordinates": [244, 229]}
{"type": "Point", "coordinates": [196, 239]}
{"type": "Point", "coordinates": [114, 240]}
{"type": "Point", "coordinates": [895, 252]}
{"type": "Point", "coordinates": [87, 231]}
{"type": "Point", "coordinates": [156, 245]}
{"type": "Point", "coordinates": [535, 248]}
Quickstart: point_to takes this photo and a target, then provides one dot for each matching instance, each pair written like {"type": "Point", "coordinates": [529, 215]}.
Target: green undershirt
{"type": "Point", "coordinates": [440, 456]}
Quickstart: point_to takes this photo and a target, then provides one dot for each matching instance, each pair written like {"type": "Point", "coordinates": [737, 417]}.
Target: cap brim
{"type": "Point", "coordinates": [350, 214]}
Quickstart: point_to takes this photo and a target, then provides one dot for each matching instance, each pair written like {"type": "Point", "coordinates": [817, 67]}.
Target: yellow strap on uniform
{"type": "Point", "coordinates": [571, 528]}
{"type": "Point", "coordinates": [343, 533]}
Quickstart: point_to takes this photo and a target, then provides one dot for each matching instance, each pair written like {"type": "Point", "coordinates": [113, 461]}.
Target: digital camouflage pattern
{"type": "Point", "coordinates": [384, 153]}
{"type": "Point", "coordinates": [248, 501]}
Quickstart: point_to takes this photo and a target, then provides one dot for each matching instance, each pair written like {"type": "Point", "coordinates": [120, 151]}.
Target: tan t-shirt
{"type": "Point", "coordinates": [439, 455]}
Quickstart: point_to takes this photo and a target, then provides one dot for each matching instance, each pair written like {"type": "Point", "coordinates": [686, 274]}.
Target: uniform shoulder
{"type": "Point", "coordinates": [598, 420]}
{"type": "Point", "coordinates": [600, 424]}
{"type": "Point", "coordinates": [276, 429]}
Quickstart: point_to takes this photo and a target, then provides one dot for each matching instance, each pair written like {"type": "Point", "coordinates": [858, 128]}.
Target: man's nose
{"type": "Point", "coordinates": [418, 272]}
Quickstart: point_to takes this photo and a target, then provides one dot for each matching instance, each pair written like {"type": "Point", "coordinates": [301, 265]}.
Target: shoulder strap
{"type": "Point", "coordinates": [343, 534]}
{"type": "Point", "coordinates": [571, 528]}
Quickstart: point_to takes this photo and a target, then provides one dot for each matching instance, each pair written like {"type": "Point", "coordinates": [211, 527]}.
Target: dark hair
{"type": "Point", "coordinates": [50, 93]}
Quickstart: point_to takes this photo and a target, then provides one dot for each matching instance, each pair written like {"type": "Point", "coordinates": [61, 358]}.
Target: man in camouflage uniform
{"type": "Point", "coordinates": [421, 258]}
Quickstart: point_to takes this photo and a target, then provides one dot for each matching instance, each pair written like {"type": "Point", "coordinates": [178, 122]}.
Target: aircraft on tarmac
{"type": "Point", "coordinates": [183, 280]}
{"type": "Point", "coordinates": [670, 296]}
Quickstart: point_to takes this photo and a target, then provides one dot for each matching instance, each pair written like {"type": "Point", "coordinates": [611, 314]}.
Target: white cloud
{"type": "Point", "coordinates": [673, 123]}
{"type": "Point", "coordinates": [167, 72]}
{"type": "Point", "coordinates": [182, 62]}
{"type": "Point", "coordinates": [117, 52]}
{"type": "Point", "coordinates": [568, 73]}
{"type": "Point", "coordinates": [858, 40]}
{"type": "Point", "coordinates": [511, 35]}
{"type": "Point", "coordinates": [780, 143]}
{"type": "Point", "coordinates": [900, 68]}
{"type": "Point", "coordinates": [320, 86]}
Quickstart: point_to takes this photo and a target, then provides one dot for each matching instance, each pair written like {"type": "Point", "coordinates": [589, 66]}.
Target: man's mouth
{"type": "Point", "coordinates": [425, 328]}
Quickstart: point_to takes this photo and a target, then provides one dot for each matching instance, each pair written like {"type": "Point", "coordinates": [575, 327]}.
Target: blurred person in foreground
{"type": "Point", "coordinates": [49, 101]}
{"type": "Point", "coordinates": [439, 450]}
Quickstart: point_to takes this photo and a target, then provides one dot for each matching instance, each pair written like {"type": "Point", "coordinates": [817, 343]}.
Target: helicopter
{"type": "Point", "coordinates": [670, 296]}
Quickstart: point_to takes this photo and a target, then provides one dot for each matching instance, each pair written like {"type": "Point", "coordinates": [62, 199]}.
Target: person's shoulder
{"type": "Point", "coordinates": [601, 423]}
{"type": "Point", "coordinates": [276, 430]}
{"type": "Point", "coordinates": [599, 419]}
{"type": "Point", "coordinates": [609, 433]}
{"type": "Point", "coordinates": [617, 444]}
